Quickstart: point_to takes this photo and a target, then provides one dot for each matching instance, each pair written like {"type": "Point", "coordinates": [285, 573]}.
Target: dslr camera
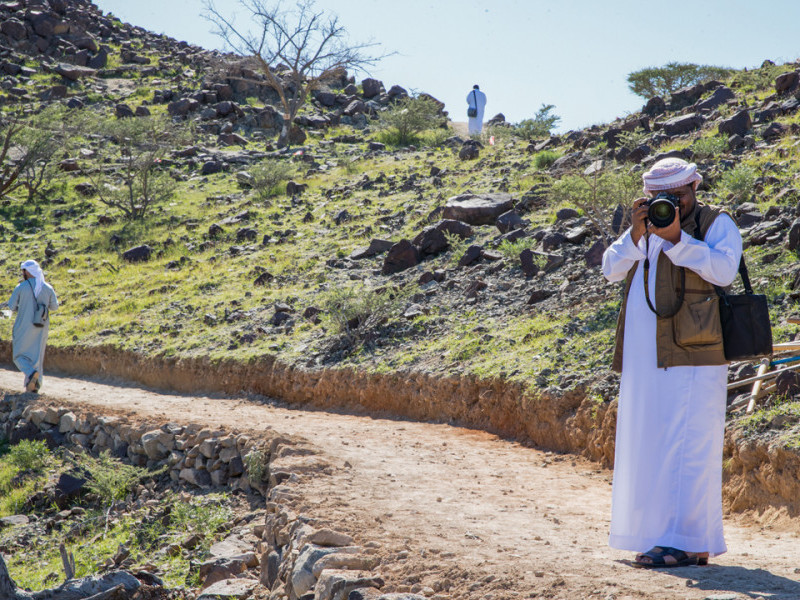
{"type": "Point", "coordinates": [661, 209]}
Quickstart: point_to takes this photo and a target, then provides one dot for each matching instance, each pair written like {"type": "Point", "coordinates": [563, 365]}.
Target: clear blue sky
{"type": "Point", "coordinates": [575, 54]}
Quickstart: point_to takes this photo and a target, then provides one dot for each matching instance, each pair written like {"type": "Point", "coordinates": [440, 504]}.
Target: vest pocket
{"type": "Point", "coordinates": [697, 323]}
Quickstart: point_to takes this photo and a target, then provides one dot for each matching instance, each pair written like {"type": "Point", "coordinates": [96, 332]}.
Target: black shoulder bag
{"type": "Point", "coordinates": [472, 111]}
{"type": "Point", "coordinates": [746, 330]}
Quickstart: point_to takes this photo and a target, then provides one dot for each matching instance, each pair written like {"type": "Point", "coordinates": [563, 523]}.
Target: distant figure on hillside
{"type": "Point", "coordinates": [666, 500]}
{"type": "Point", "coordinates": [32, 299]}
{"type": "Point", "coordinates": [476, 103]}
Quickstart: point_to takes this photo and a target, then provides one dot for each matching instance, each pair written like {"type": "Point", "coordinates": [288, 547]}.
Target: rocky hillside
{"type": "Point", "coordinates": [448, 257]}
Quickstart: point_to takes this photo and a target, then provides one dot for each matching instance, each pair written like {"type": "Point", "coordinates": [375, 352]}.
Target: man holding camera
{"type": "Point", "coordinates": [667, 491]}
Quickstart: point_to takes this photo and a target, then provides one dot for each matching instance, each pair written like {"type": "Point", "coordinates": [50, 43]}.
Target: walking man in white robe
{"type": "Point", "coordinates": [476, 103]}
{"type": "Point", "coordinates": [667, 490]}
{"type": "Point", "coordinates": [29, 340]}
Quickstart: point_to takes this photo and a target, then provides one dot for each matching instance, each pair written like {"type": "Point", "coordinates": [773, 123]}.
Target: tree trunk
{"type": "Point", "coordinates": [8, 589]}
{"type": "Point", "coordinates": [113, 585]}
{"type": "Point", "coordinates": [283, 137]}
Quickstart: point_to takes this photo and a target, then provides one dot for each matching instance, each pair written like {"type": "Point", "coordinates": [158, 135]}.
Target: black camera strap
{"type": "Point", "coordinates": [647, 285]}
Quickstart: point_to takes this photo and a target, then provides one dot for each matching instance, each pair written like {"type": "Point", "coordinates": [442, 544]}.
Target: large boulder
{"type": "Point", "coordinates": [231, 589]}
{"type": "Point", "coordinates": [14, 29]}
{"type": "Point", "coordinates": [371, 87]}
{"type": "Point", "coordinates": [655, 106]}
{"type": "Point", "coordinates": [454, 227]}
{"type": "Point", "coordinates": [509, 221]}
{"type": "Point", "coordinates": [478, 209]}
{"type": "Point", "coordinates": [682, 124]}
{"type": "Point", "coordinates": [182, 107]}
{"type": "Point", "coordinates": [470, 150]}
{"type": "Point", "coordinates": [74, 72]}
{"type": "Point", "coordinates": [686, 96]}
{"type": "Point", "coordinates": [325, 97]}
{"type": "Point", "coordinates": [430, 241]}
{"type": "Point", "coordinates": [336, 584]}
{"type": "Point", "coordinates": [793, 240]}
{"type": "Point", "coordinates": [720, 96]}
{"type": "Point", "coordinates": [47, 24]}
{"type": "Point", "coordinates": [138, 253]}
{"type": "Point", "coordinates": [99, 60]}
{"type": "Point", "coordinates": [774, 131]}
{"type": "Point", "coordinates": [376, 246]}
{"type": "Point", "coordinates": [738, 124]}
{"type": "Point", "coordinates": [397, 92]}
{"type": "Point", "coordinates": [302, 578]}
{"type": "Point", "coordinates": [355, 107]}
{"type": "Point", "coordinates": [433, 239]}
{"type": "Point", "coordinates": [787, 82]}
{"type": "Point", "coordinates": [403, 255]}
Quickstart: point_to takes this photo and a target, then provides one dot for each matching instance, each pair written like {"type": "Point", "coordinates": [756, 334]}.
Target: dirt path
{"type": "Point", "coordinates": [496, 518]}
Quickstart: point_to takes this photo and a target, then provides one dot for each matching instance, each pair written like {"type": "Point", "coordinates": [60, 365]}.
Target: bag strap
{"type": "Point", "coordinates": [474, 97]}
{"type": "Point", "coordinates": [748, 289]}
{"type": "Point", "coordinates": [33, 291]}
{"type": "Point", "coordinates": [647, 285]}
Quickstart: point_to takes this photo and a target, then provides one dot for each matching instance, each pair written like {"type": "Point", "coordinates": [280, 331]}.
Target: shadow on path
{"type": "Point", "coordinates": [753, 583]}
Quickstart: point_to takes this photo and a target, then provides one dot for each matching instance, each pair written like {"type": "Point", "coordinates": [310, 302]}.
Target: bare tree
{"type": "Point", "coordinates": [295, 48]}
{"type": "Point", "coordinates": [27, 150]}
{"type": "Point", "coordinates": [136, 181]}
{"type": "Point", "coordinates": [599, 194]}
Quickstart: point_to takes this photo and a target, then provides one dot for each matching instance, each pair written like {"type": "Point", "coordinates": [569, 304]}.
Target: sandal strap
{"type": "Point", "coordinates": [657, 554]}
{"type": "Point", "coordinates": [678, 555]}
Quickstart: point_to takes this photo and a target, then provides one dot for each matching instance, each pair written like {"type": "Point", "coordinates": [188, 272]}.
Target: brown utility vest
{"type": "Point", "coordinates": [693, 336]}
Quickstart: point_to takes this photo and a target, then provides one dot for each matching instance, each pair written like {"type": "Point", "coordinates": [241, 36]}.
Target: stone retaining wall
{"type": "Point", "coordinates": [195, 455]}
{"type": "Point", "coordinates": [294, 560]}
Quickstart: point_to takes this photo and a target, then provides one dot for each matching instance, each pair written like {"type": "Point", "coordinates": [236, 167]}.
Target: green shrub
{"type": "Point", "coordinates": [435, 137]}
{"type": "Point", "coordinates": [545, 159]}
{"type": "Point", "coordinates": [631, 139]}
{"type": "Point", "coordinates": [255, 463]}
{"type": "Point", "coordinates": [30, 455]}
{"type": "Point", "coordinates": [458, 245]}
{"type": "Point", "coordinates": [738, 183]}
{"type": "Point", "coordinates": [598, 195]}
{"type": "Point", "coordinates": [752, 80]}
{"type": "Point", "coordinates": [501, 134]}
{"type": "Point", "coordinates": [111, 479]}
{"type": "Point", "coordinates": [22, 472]}
{"type": "Point", "coordinates": [511, 250]}
{"type": "Point", "coordinates": [269, 177]}
{"type": "Point", "coordinates": [404, 121]}
{"type": "Point", "coordinates": [707, 147]}
{"type": "Point", "coordinates": [355, 311]}
{"type": "Point", "coordinates": [540, 125]}
{"type": "Point", "coordinates": [138, 182]}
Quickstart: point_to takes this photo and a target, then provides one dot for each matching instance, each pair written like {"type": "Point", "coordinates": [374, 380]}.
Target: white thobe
{"type": "Point", "coordinates": [667, 488]}
{"type": "Point", "coordinates": [28, 341]}
{"type": "Point", "coordinates": [476, 100]}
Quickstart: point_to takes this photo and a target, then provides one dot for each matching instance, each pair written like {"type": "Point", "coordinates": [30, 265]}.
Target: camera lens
{"type": "Point", "coordinates": [661, 212]}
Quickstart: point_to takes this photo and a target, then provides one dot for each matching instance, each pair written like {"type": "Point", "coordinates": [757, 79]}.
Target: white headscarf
{"type": "Point", "coordinates": [33, 268]}
{"type": "Point", "coordinates": [670, 173]}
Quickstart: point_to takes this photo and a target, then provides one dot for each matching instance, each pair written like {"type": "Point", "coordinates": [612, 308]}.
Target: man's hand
{"type": "Point", "coordinates": [672, 232]}
{"type": "Point", "coordinates": [638, 215]}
